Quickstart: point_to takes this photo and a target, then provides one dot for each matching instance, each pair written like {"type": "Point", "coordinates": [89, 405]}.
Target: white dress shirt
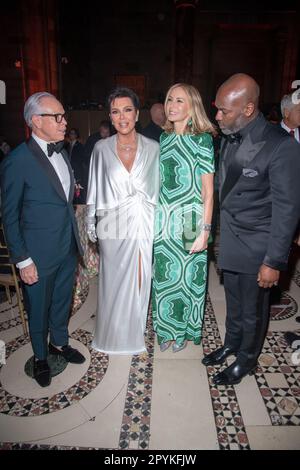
{"type": "Point", "coordinates": [296, 131]}
{"type": "Point", "coordinates": [62, 171]}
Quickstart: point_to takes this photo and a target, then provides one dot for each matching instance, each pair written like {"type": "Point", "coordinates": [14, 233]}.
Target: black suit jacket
{"type": "Point", "coordinates": [152, 131]}
{"type": "Point", "coordinates": [80, 164]}
{"type": "Point", "coordinates": [259, 200]}
{"type": "Point", "coordinates": [90, 143]}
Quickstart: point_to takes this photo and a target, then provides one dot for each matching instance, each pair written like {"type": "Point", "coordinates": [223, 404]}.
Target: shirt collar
{"type": "Point", "coordinates": [284, 126]}
{"type": "Point", "coordinates": [42, 143]}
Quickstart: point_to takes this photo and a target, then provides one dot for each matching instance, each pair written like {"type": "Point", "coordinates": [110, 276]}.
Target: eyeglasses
{"type": "Point", "coordinates": [58, 116]}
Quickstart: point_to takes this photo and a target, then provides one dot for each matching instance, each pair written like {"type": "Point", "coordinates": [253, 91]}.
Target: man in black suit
{"type": "Point", "coordinates": [154, 129]}
{"type": "Point", "coordinates": [79, 164]}
{"type": "Point", "coordinates": [104, 131]}
{"type": "Point", "coordinates": [259, 213]}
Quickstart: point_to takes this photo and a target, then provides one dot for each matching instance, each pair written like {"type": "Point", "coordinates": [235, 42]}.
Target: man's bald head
{"type": "Point", "coordinates": [157, 113]}
{"type": "Point", "coordinates": [241, 85]}
{"type": "Point", "coordinates": [237, 102]}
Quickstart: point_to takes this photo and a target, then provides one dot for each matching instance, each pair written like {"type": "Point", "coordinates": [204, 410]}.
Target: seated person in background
{"type": "Point", "coordinates": [104, 131]}
{"type": "Point", "coordinates": [158, 119]}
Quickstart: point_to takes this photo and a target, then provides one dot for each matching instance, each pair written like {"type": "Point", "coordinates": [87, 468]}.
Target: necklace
{"type": "Point", "coordinates": [127, 147]}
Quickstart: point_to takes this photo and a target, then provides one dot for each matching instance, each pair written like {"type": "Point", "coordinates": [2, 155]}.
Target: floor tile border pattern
{"type": "Point", "coordinates": [226, 439]}
{"type": "Point", "coordinates": [7, 324]}
{"type": "Point", "coordinates": [282, 403]}
{"type": "Point", "coordinates": [135, 427]}
{"type": "Point", "coordinates": [279, 400]}
{"type": "Point", "coordinates": [13, 308]}
{"type": "Point", "coordinates": [287, 308]}
{"type": "Point", "coordinates": [22, 407]}
{"type": "Point", "coordinates": [296, 277]}
{"type": "Point", "coordinates": [29, 446]}
{"type": "Point", "coordinates": [230, 427]}
{"type": "Point", "coordinates": [14, 303]}
{"type": "Point", "coordinates": [291, 304]}
{"type": "Point", "coordinates": [11, 323]}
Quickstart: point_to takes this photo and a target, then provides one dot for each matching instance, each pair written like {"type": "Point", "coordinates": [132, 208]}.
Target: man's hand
{"type": "Point", "coordinates": [267, 277]}
{"type": "Point", "coordinates": [29, 275]}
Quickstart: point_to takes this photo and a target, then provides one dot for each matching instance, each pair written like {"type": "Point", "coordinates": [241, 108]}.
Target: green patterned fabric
{"type": "Point", "coordinates": [179, 284]}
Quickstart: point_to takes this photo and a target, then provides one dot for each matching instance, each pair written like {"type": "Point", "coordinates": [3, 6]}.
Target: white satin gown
{"type": "Point", "coordinates": [123, 204]}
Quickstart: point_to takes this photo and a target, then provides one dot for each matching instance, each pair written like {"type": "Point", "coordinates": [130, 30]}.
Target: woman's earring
{"type": "Point", "coordinates": [190, 122]}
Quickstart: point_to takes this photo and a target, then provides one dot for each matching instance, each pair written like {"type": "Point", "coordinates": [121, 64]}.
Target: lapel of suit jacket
{"type": "Point", "coordinates": [222, 172]}
{"type": "Point", "coordinates": [43, 161]}
{"type": "Point", "coordinates": [247, 151]}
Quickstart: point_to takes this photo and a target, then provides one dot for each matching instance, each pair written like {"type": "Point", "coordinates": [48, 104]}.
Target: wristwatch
{"type": "Point", "coordinates": [206, 227]}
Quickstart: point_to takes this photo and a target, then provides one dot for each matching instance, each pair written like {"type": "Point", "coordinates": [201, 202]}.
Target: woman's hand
{"type": "Point", "coordinates": [201, 242]}
{"type": "Point", "coordinates": [91, 232]}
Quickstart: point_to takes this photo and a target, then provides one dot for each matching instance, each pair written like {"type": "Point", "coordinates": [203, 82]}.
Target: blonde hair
{"type": "Point", "coordinates": [198, 122]}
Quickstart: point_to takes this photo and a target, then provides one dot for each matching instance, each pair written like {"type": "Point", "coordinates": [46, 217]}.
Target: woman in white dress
{"type": "Point", "coordinates": [122, 194]}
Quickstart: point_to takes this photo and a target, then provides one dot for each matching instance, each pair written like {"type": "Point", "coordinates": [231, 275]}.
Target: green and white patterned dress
{"type": "Point", "coordinates": [179, 284]}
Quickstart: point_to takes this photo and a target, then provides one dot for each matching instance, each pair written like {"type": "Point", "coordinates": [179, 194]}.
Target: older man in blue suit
{"type": "Point", "coordinates": [37, 188]}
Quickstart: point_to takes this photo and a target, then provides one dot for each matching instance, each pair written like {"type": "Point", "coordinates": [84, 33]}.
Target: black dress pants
{"type": "Point", "coordinates": [247, 316]}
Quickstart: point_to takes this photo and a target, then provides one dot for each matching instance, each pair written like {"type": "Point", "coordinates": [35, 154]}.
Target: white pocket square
{"type": "Point", "coordinates": [249, 172]}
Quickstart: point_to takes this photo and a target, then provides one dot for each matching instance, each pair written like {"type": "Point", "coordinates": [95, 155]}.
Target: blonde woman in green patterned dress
{"type": "Point", "coordinates": [183, 219]}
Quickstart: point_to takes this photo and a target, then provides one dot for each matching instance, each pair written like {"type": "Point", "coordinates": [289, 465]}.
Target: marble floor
{"type": "Point", "coordinates": [156, 400]}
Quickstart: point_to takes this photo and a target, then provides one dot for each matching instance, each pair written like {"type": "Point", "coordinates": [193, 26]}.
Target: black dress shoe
{"type": "Point", "coordinates": [233, 374]}
{"type": "Point", "coordinates": [41, 372]}
{"type": "Point", "coordinates": [218, 356]}
{"type": "Point", "coordinates": [290, 337]}
{"type": "Point", "coordinates": [68, 353]}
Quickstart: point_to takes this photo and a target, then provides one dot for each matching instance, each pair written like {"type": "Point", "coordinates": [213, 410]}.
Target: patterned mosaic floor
{"type": "Point", "coordinates": [229, 422]}
{"type": "Point", "coordinates": [277, 379]}
{"type": "Point", "coordinates": [17, 406]}
{"type": "Point", "coordinates": [277, 363]}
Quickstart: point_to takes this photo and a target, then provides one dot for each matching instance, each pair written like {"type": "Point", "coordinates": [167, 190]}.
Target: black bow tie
{"type": "Point", "coordinates": [234, 138]}
{"type": "Point", "coordinates": [51, 148]}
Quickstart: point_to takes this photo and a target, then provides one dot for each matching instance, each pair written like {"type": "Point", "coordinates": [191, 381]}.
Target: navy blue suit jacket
{"type": "Point", "coordinates": [38, 219]}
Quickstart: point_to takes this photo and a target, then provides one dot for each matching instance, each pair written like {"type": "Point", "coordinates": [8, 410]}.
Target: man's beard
{"type": "Point", "coordinates": [239, 123]}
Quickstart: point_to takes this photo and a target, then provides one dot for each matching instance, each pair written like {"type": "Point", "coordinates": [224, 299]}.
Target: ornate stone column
{"type": "Point", "coordinates": [184, 40]}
